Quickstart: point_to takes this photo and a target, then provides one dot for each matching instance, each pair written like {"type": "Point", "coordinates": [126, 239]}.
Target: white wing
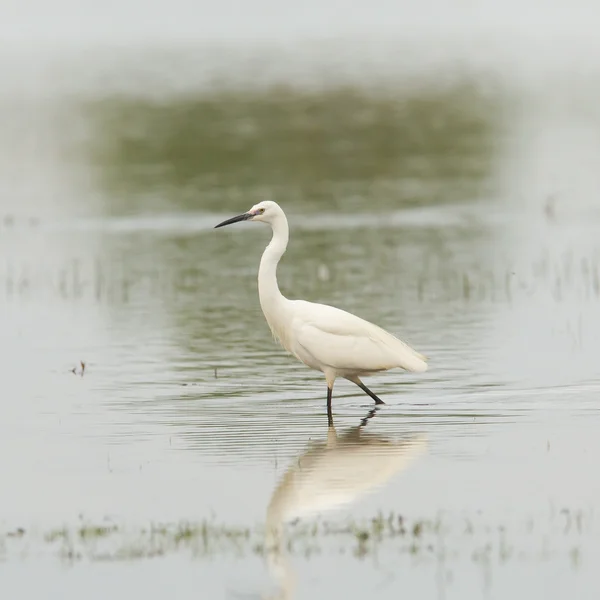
{"type": "Point", "coordinates": [343, 341]}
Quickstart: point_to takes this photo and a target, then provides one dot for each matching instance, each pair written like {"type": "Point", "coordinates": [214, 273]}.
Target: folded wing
{"type": "Point", "coordinates": [343, 341]}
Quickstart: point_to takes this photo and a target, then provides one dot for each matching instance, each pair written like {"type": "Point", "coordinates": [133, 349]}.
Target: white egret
{"type": "Point", "coordinates": [327, 339]}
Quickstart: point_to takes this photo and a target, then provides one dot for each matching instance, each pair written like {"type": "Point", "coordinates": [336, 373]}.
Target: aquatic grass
{"type": "Point", "coordinates": [446, 536]}
{"type": "Point", "coordinates": [438, 280]}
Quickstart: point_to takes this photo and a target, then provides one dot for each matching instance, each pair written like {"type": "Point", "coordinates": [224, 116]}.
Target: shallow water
{"type": "Point", "coordinates": [458, 211]}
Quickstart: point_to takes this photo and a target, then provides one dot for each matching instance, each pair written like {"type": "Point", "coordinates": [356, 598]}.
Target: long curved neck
{"type": "Point", "coordinates": [268, 290]}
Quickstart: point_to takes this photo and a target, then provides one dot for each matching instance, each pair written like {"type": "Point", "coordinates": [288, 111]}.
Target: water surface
{"type": "Point", "coordinates": [458, 210]}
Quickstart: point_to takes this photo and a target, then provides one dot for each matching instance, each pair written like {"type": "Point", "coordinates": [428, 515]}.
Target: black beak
{"type": "Point", "coordinates": [237, 219]}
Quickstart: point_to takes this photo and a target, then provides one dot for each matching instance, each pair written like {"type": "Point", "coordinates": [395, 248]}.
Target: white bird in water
{"type": "Point", "coordinates": [330, 340]}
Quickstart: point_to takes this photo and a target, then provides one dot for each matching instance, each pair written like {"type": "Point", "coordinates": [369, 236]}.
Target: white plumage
{"type": "Point", "coordinates": [348, 344]}
{"type": "Point", "coordinates": [323, 337]}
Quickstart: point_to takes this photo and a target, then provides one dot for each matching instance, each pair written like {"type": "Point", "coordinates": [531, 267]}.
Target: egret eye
{"type": "Point", "coordinates": [260, 211]}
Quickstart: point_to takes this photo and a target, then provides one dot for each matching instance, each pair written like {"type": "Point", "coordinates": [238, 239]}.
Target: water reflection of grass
{"type": "Point", "coordinates": [344, 145]}
{"type": "Point", "coordinates": [445, 537]}
{"type": "Point", "coordinates": [100, 281]}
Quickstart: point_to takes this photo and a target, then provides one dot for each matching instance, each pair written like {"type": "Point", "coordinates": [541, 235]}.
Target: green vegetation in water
{"type": "Point", "coordinates": [443, 537]}
{"type": "Point", "coordinates": [346, 146]}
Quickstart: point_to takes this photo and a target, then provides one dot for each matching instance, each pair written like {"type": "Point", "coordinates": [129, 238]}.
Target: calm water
{"type": "Point", "coordinates": [453, 200]}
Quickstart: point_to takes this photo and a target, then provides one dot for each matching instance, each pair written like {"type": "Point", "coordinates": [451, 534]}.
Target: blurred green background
{"type": "Point", "coordinates": [342, 148]}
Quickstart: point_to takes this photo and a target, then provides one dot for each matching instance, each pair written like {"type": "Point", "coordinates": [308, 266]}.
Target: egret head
{"type": "Point", "coordinates": [266, 211]}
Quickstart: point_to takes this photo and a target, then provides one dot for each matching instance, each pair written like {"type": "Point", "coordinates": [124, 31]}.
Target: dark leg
{"type": "Point", "coordinates": [366, 390]}
{"type": "Point", "coordinates": [329, 413]}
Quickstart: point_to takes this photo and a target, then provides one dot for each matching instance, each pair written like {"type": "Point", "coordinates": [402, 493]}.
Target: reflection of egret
{"type": "Point", "coordinates": [324, 338]}
{"type": "Point", "coordinates": [336, 472]}
{"type": "Point", "coordinates": [330, 475]}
